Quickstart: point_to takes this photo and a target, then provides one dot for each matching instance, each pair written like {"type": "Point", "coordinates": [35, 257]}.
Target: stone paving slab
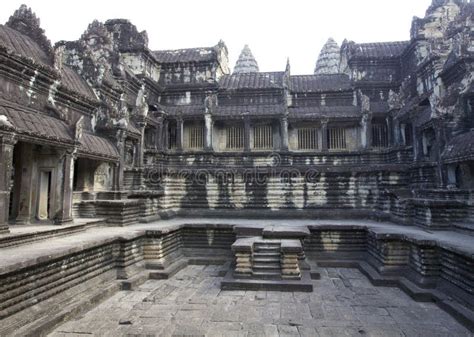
{"type": "Point", "coordinates": [191, 304]}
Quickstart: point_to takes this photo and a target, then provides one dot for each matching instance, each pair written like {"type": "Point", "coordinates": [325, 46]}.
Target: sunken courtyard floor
{"type": "Point", "coordinates": [343, 303]}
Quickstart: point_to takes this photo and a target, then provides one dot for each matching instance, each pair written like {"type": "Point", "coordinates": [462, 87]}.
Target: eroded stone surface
{"type": "Point", "coordinates": [343, 303]}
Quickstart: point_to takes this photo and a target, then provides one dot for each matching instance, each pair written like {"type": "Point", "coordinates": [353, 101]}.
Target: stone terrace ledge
{"type": "Point", "coordinates": [21, 256]}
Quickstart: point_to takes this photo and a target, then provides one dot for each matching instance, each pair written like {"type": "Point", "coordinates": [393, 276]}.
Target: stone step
{"type": "Point", "coordinates": [266, 275]}
{"type": "Point", "coordinates": [266, 266]}
{"type": "Point", "coordinates": [270, 272]}
{"type": "Point", "coordinates": [267, 243]}
{"type": "Point", "coordinates": [266, 259]}
{"type": "Point", "coordinates": [261, 244]}
{"type": "Point", "coordinates": [266, 249]}
{"type": "Point", "coordinates": [266, 254]}
{"type": "Point", "coordinates": [275, 257]}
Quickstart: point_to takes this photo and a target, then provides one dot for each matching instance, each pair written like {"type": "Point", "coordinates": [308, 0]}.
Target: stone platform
{"type": "Point", "coordinates": [43, 281]}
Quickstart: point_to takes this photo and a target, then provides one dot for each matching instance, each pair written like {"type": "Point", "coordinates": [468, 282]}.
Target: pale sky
{"type": "Point", "coordinates": [274, 30]}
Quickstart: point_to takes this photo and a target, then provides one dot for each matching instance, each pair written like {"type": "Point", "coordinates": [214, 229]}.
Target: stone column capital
{"type": "Point", "coordinates": [8, 138]}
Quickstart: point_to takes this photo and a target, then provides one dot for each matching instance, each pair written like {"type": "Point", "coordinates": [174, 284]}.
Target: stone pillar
{"type": "Point", "coordinates": [397, 133]}
{"type": "Point", "coordinates": [179, 134]}
{"type": "Point", "coordinates": [65, 214]}
{"type": "Point", "coordinates": [25, 189]}
{"type": "Point", "coordinates": [439, 146]}
{"type": "Point", "coordinates": [324, 135]}
{"type": "Point", "coordinates": [119, 167]}
{"type": "Point", "coordinates": [141, 144]}
{"type": "Point", "coordinates": [284, 133]}
{"type": "Point", "coordinates": [390, 131]}
{"type": "Point", "coordinates": [7, 143]}
{"type": "Point", "coordinates": [165, 135]}
{"type": "Point", "coordinates": [208, 132]}
{"type": "Point", "coordinates": [159, 135]}
{"type": "Point", "coordinates": [366, 131]}
{"type": "Point", "coordinates": [417, 144]}
{"type": "Point", "coordinates": [140, 158]}
{"type": "Point", "coordinates": [369, 132]}
{"type": "Point", "coordinates": [246, 134]}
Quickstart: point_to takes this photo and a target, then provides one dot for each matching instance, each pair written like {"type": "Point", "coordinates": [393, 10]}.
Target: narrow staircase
{"type": "Point", "coordinates": [266, 260]}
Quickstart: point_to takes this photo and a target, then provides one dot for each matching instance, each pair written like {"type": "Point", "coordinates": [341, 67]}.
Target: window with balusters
{"type": "Point", "coordinates": [336, 138]}
{"type": "Point", "coordinates": [307, 139]}
{"type": "Point", "coordinates": [234, 137]}
{"type": "Point", "coordinates": [263, 137]}
{"type": "Point", "coordinates": [194, 136]}
{"type": "Point", "coordinates": [379, 135]}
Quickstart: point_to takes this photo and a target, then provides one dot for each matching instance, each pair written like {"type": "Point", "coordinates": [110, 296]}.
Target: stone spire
{"type": "Point", "coordinates": [246, 62]}
{"type": "Point", "coordinates": [329, 58]}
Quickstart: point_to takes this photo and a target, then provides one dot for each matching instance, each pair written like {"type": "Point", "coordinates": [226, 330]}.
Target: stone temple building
{"type": "Point", "coordinates": [105, 134]}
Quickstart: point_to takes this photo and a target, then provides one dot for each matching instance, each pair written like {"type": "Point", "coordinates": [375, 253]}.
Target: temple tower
{"type": "Point", "coordinates": [328, 60]}
{"type": "Point", "coordinates": [246, 62]}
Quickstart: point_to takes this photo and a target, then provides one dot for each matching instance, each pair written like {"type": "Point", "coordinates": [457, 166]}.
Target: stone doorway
{"type": "Point", "coordinates": [44, 195]}
{"type": "Point", "coordinates": [34, 193]}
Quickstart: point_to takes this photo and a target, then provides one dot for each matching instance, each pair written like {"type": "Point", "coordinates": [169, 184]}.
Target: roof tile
{"type": "Point", "coordinates": [379, 49]}
{"type": "Point", "coordinates": [460, 148]}
{"type": "Point", "coordinates": [23, 45]}
{"type": "Point", "coordinates": [254, 109]}
{"type": "Point", "coordinates": [319, 83]}
{"type": "Point", "coordinates": [98, 146]}
{"type": "Point", "coordinates": [262, 80]}
{"type": "Point", "coordinates": [186, 55]}
{"type": "Point", "coordinates": [32, 123]}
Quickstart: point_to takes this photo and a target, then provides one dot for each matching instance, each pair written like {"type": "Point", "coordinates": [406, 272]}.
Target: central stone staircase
{"type": "Point", "coordinates": [268, 259]}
